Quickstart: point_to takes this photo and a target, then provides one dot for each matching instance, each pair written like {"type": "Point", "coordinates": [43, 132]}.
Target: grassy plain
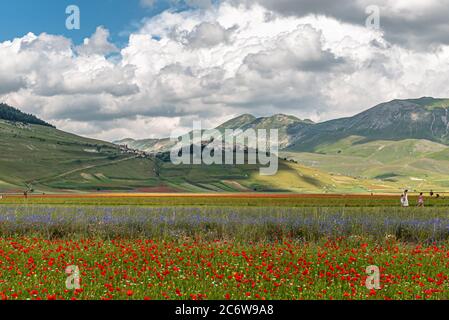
{"type": "Point", "coordinates": [185, 247]}
{"type": "Point", "coordinates": [226, 200]}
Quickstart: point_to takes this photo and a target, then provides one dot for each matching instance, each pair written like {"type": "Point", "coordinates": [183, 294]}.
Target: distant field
{"type": "Point", "coordinates": [229, 200]}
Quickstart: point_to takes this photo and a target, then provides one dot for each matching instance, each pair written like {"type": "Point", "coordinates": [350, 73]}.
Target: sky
{"type": "Point", "coordinates": [143, 68]}
{"type": "Point", "coordinates": [20, 17]}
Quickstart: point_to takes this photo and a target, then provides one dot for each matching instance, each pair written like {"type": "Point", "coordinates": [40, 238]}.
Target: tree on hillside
{"type": "Point", "coordinates": [12, 114]}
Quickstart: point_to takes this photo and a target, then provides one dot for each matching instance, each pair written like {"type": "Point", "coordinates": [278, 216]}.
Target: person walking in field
{"type": "Point", "coordinates": [421, 200]}
{"type": "Point", "coordinates": [404, 199]}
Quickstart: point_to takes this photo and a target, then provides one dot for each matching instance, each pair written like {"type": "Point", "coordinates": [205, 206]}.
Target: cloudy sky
{"type": "Point", "coordinates": [141, 68]}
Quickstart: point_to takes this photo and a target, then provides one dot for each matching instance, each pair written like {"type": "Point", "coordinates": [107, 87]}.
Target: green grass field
{"type": "Point", "coordinates": [48, 159]}
{"type": "Point", "coordinates": [419, 165]}
{"type": "Point", "coordinates": [226, 200]}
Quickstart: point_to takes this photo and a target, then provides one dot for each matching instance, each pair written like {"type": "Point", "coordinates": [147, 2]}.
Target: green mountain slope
{"type": "Point", "coordinates": [399, 144]}
{"type": "Point", "coordinates": [291, 177]}
{"type": "Point", "coordinates": [9, 113]}
{"type": "Point", "coordinates": [402, 143]}
{"type": "Point", "coordinates": [280, 121]}
{"type": "Point", "coordinates": [414, 164]}
{"type": "Point", "coordinates": [424, 118]}
{"type": "Point", "coordinates": [420, 119]}
{"type": "Point", "coordinates": [147, 145]}
{"type": "Point", "coordinates": [42, 157]}
{"type": "Point", "coordinates": [237, 123]}
{"type": "Point", "coordinates": [49, 160]}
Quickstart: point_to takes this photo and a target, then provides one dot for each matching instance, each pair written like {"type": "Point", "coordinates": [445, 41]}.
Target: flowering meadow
{"type": "Point", "coordinates": [158, 253]}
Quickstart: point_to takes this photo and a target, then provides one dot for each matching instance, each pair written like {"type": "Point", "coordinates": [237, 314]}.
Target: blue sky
{"type": "Point", "coordinates": [19, 17]}
{"type": "Point", "coordinates": [312, 59]}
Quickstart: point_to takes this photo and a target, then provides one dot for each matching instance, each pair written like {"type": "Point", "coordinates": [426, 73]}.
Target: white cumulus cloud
{"type": "Point", "coordinates": [214, 62]}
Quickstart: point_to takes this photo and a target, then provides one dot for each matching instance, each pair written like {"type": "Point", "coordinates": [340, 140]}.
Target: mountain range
{"type": "Point", "coordinates": [424, 118]}
{"type": "Point", "coordinates": [398, 144]}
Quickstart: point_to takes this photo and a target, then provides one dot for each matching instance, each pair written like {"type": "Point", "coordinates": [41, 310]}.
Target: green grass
{"type": "Point", "coordinates": [32, 153]}
{"type": "Point", "coordinates": [435, 103]}
{"type": "Point", "coordinates": [49, 160]}
{"type": "Point", "coordinates": [414, 164]}
{"type": "Point", "coordinates": [229, 201]}
{"type": "Point", "coordinates": [127, 175]}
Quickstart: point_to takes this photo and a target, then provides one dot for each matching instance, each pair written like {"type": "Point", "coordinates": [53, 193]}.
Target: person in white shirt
{"type": "Point", "coordinates": [404, 199]}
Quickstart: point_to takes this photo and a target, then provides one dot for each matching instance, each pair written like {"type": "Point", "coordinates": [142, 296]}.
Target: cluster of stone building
{"type": "Point", "coordinates": [124, 149]}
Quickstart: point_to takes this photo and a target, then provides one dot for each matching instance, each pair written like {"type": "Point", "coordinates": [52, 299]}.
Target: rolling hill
{"type": "Point", "coordinates": [421, 119]}
{"type": "Point", "coordinates": [37, 156]}
{"type": "Point", "coordinates": [280, 121]}
{"type": "Point", "coordinates": [412, 163]}
{"type": "Point", "coordinates": [42, 158]}
{"type": "Point", "coordinates": [403, 143]}
{"type": "Point", "coordinates": [425, 118]}
{"type": "Point", "coordinates": [9, 113]}
{"type": "Point", "coordinates": [45, 159]}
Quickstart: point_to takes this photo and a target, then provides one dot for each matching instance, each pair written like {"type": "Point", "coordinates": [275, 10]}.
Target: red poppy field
{"type": "Point", "coordinates": [144, 269]}
{"type": "Point", "coordinates": [231, 251]}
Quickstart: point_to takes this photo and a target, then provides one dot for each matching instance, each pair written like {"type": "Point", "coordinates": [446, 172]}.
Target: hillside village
{"type": "Point", "coordinates": [124, 149]}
